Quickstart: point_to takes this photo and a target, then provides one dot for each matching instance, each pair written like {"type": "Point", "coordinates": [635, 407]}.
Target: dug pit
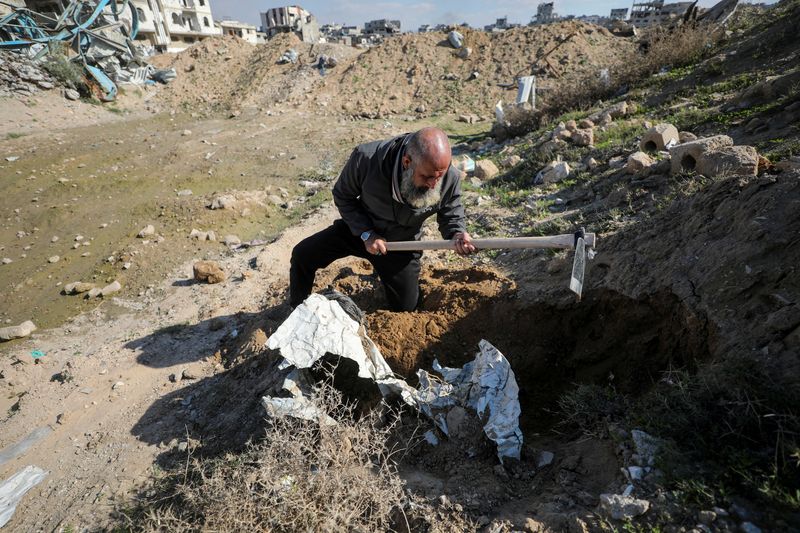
{"type": "Point", "coordinates": [608, 338]}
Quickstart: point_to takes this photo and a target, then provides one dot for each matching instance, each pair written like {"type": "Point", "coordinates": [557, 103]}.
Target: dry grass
{"type": "Point", "coordinates": [301, 477]}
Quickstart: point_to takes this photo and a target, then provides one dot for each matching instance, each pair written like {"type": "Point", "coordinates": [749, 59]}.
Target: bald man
{"type": "Point", "coordinates": [385, 192]}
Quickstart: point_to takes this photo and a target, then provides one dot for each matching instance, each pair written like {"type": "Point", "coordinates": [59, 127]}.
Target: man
{"type": "Point", "coordinates": [385, 192]}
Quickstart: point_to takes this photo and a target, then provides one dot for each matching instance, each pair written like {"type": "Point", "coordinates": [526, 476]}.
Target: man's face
{"type": "Point", "coordinates": [427, 173]}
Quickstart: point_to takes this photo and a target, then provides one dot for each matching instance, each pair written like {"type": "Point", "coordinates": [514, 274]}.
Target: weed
{"type": "Point", "coordinates": [588, 407]}
{"type": "Point", "coordinates": [14, 135]}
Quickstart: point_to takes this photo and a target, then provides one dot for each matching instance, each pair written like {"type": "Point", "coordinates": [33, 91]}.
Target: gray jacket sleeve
{"type": "Point", "coordinates": [346, 193]}
{"type": "Point", "coordinates": [451, 217]}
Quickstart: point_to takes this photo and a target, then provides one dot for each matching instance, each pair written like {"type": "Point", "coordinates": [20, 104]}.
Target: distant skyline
{"type": "Point", "coordinates": [414, 13]}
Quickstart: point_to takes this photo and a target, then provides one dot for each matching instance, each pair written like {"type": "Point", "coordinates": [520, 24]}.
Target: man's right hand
{"type": "Point", "coordinates": [375, 245]}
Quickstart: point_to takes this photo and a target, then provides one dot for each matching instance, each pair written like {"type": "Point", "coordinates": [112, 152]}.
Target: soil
{"type": "Point", "coordinates": [697, 271]}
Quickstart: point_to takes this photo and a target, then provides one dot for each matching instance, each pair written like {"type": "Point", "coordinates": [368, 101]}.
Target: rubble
{"type": "Point", "coordinates": [660, 137]}
{"type": "Point", "coordinates": [714, 156]}
{"type": "Point", "coordinates": [552, 173]}
{"type": "Point", "coordinates": [17, 332]}
{"type": "Point", "coordinates": [637, 162]}
{"type": "Point", "coordinates": [485, 169]}
{"type": "Point", "coordinates": [208, 271]}
{"type": "Point", "coordinates": [621, 507]}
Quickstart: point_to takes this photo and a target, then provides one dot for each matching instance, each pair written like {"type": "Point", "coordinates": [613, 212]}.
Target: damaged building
{"type": "Point", "coordinates": [644, 14]}
{"type": "Point", "coordinates": [173, 25]}
{"type": "Point", "coordinates": [242, 30]}
{"type": "Point", "coordinates": [291, 19]}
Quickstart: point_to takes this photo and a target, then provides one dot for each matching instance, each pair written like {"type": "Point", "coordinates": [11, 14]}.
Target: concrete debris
{"type": "Point", "coordinates": [469, 119]}
{"type": "Point", "coordinates": [646, 446]}
{"type": "Point", "coordinates": [552, 173]}
{"type": "Point", "coordinates": [289, 56]}
{"type": "Point", "coordinates": [320, 326]}
{"type": "Point", "coordinates": [686, 136]}
{"type": "Point", "coordinates": [110, 289]}
{"type": "Point", "coordinates": [620, 507]}
{"type": "Point", "coordinates": [637, 162]}
{"type": "Point", "coordinates": [583, 137]}
{"type": "Point", "coordinates": [485, 169]}
{"type": "Point", "coordinates": [202, 235]}
{"type": "Point", "coordinates": [511, 161]}
{"type": "Point", "coordinates": [714, 156]}
{"type": "Point", "coordinates": [660, 137]}
{"type": "Point", "coordinates": [146, 231]}
{"type": "Point", "coordinates": [78, 287]}
{"type": "Point", "coordinates": [465, 52]}
{"type": "Point", "coordinates": [208, 271]}
{"type": "Point", "coordinates": [17, 332]}
{"type": "Point", "coordinates": [223, 202]}
{"type": "Point", "coordinates": [456, 39]}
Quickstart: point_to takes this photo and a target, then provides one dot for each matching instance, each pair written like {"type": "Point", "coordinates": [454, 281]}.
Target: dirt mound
{"type": "Point", "coordinates": [423, 69]}
{"type": "Point", "coordinates": [402, 75]}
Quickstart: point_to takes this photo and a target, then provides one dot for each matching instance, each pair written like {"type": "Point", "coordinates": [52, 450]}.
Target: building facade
{"type": "Point", "coordinates": [173, 25]}
{"type": "Point", "coordinates": [290, 19]}
{"type": "Point", "coordinates": [382, 27]}
{"type": "Point", "coordinates": [246, 32]}
{"type": "Point", "coordinates": [644, 14]}
{"type": "Point", "coordinates": [545, 13]}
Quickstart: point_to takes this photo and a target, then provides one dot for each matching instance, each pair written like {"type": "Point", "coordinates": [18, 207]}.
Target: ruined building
{"type": "Point", "coordinates": [242, 30]}
{"type": "Point", "coordinates": [545, 13]}
{"type": "Point", "coordinates": [656, 12]}
{"type": "Point", "coordinates": [173, 25]}
{"type": "Point", "coordinates": [291, 19]}
{"type": "Point", "coordinates": [382, 27]}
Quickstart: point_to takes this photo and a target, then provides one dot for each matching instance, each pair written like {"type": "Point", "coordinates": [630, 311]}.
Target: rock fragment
{"type": "Point", "coordinates": [637, 162]}
{"type": "Point", "coordinates": [208, 271]}
{"type": "Point", "coordinates": [659, 137]}
{"type": "Point", "coordinates": [146, 231]}
{"type": "Point", "coordinates": [17, 332]}
{"type": "Point", "coordinates": [621, 507]}
{"type": "Point", "coordinates": [485, 169]}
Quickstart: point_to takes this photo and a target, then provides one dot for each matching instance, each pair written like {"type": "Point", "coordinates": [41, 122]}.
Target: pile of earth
{"type": "Point", "coordinates": [411, 73]}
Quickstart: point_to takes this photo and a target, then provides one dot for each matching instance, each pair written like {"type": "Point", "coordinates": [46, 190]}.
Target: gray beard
{"type": "Point", "coordinates": [419, 197]}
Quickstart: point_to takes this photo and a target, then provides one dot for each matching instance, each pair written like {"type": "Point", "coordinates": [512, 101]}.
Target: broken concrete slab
{"type": "Point", "coordinates": [17, 332]}
{"type": "Point", "coordinates": [553, 173]}
{"type": "Point", "coordinates": [637, 162]}
{"type": "Point", "coordinates": [485, 169]}
{"type": "Point", "coordinates": [659, 137]}
{"type": "Point", "coordinates": [714, 156]}
{"type": "Point", "coordinates": [78, 287]}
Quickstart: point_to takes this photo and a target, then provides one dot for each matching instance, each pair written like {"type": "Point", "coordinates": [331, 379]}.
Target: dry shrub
{"type": "Point", "coordinates": [519, 120]}
{"type": "Point", "coordinates": [660, 48]}
{"type": "Point", "coordinates": [301, 477]}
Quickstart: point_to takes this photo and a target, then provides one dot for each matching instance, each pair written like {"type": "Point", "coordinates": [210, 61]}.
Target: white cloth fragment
{"type": "Point", "coordinates": [14, 488]}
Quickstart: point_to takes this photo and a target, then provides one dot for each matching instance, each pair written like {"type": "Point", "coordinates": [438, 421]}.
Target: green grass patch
{"type": "Point", "coordinates": [14, 135]}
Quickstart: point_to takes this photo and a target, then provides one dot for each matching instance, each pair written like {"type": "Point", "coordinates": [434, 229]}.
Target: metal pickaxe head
{"type": "Point", "coordinates": [579, 263]}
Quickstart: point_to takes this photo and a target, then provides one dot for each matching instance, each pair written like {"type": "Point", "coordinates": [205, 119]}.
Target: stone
{"type": "Point", "coordinates": [146, 231]}
{"type": "Point", "coordinates": [685, 156]}
{"type": "Point", "coordinates": [184, 192]}
{"type": "Point", "coordinates": [186, 133]}
{"type": "Point", "coordinates": [635, 472]}
{"type": "Point", "coordinates": [464, 52]}
{"type": "Point", "coordinates": [637, 162]}
{"type": "Point", "coordinates": [591, 163]}
{"type": "Point", "coordinates": [511, 161]}
{"type": "Point", "coordinates": [583, 137]}
{"type": "Point", "coordinates": [117, 385]}
{"type": "Point", "coordinates": [659, 137]}
{"type": "Point", "coordinates": [544, 458]}
{"type": "Point", "coordinates": [7, 261]}
{"type": "Point", "coordinates": [208, 271]}
{"type": "Point", "coordinates": [93, 293]}
{"type": "Point", "coordinates": [485, 169]}
{"type": "Point", "coordinates": [469, 119]}
{"type": "Point", "coordinates": [53, 259]}
{"type": "Point", "coordinates": [232, 240]}
{"type": "Point", "coordinates": [111, 288]}
{"type": "Point", "coordinates": [183, 446]}
{"type": "Point", "coordinates": [714, 156]}
{"type": "Point", "coordinates": [71, 94]}
{"type": "Point", "coordinates": [686, 137]}
{"type": "Point", "coordinates": [199, 235]}
{"type": "Point", "coordinates": [561, 132]}
{"type": "Point", "coordinates": [646, 446]}
{"type": "Point", "coordinates": [173, 378]}
{"type": "Point", "coordinates": [223, 202]}
{"type": "Point", "coordinates": [571, 125]}
{"type": "Point", "coordinates": [621, 507]}
{"type": "Point", "coordinates": [188, 374]}
{"type": "Point", "coordinates": [706, 517]}
{"type": "Point", "coordinates": [793, 163]}
{"type": "Point", "coordinates": [78, 287]}
{"type": "Point", "coordinates": [17, 332]}
{"type": "Point", "coordinates": [585, 124]}
{"type": "Point", "coordinates": [552, 173]}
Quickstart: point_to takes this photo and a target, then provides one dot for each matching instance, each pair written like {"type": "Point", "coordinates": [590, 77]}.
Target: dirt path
{"type": "Point", "coordinates": [94, 386]}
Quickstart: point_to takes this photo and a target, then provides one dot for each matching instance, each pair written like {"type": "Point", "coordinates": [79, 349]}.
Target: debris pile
{"type": "Point", "coordinates": [21, 76]}
{"type": "Point", "coordinates": [96, 36]}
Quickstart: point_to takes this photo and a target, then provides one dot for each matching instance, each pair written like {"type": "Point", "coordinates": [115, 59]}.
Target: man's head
{"type": "Point", "coordinates": [426, 160]}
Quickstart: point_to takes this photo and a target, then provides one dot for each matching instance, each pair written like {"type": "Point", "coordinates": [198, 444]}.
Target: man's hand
{"type": "Point", "coordinates": [463, 243]}
{"type": "Point", "coordinates": [375, 245]}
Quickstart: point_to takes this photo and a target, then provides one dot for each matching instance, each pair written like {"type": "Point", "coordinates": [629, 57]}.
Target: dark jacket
{"type": "Point", "coordinates": [364, 195]}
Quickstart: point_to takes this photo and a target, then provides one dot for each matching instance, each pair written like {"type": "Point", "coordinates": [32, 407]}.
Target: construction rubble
{"type": "Point", "coordinates": [93, 38]}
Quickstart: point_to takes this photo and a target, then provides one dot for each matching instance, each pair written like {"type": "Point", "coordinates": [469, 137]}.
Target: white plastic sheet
{"type": "Point", "coordinates": [319, 326]}
{"type": "Point", "coordinates": [14, 488]}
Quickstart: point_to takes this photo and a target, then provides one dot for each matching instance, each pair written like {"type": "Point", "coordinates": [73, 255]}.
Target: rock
{"type": "Point", "coordinates": [231, 240]}
{"type": "Point", "coordinates": [659, 137]}
{"type": "Point", "coordinates": [552, 173]}
{"type": "Point", "coordinates": [223, 202]}
{"type": "Point", "coordinates": [173, 378]}
{"type": "Point", "coordinates": [188, 374]}
{"type": "Point", "coordinates": [511, 161]}
{"type": "Point", "coordinates": [464, 52]}
{"type": "Point", "coordinates": [71, 94]}
{"type": "Point", "coordinates": [211, 236]}
{"type": "Point", "coordinates": [7, 261]}
{"type": "Point", "coordinates": [685, 137]}
{"type": "Point", "coordinates": [561, 132]}
{"type": "Point", "coordinates": [485, 169]}
{"type": "Point", "coordinates": [544, 459]}
{"type": "Point", "coordinates": [714, 156]}
{"type": "Point", "coordinates": [184, 192]}
{"type": "Point", "coordinates": [706, 517]}
{"type": "Point", "coordinates": [571, 125]}
{"type": "Point", "coordinates": [61, 419]}
{"type": "Point", "coordinates": [146, 231]}
{"type": "Point", "coordinates": [793, 163]}
{"type": "Point", "coordinates": [117, 385]}
{"type": "Point", "coordinates": [54, 238]}
{"type": "Point", "coordinates": [623, 507]}
{"type": "Point", "coordinates": [93, 293]}
{"type": "Point", "coordinates": [186, 133]}
{"type": "Point", "coordinates": [749, 527]}
{"type": "Point", "coordinates": [199, 235]}
{"type": "Point", "coordinates": [583, 137]}
{"type": "Point", "coordinates": [110, 289]}
{"type": "Point", "coordinates": [17, 332]}
{"type": "Point", "coordinates": [646, 446]}
{"type": "Point", "coordinates": [637, 162]}
{"type": "Point", "coordinates": [469, 119]}
{"type": "Point", "coordinates": [591, 163]}
{"type": "Point", "coordinates": [53, 259]}
{"type": "Point", "coordinates": [208, 271]}
{"type": "Point", "coordinates": [475, 182]}
{"type": "Point", "coordinates": [78, 287]}
{"type": "Point", "coordinates": [586, 124]}
{"type": "Point", "coordinates": [635, 472]}
{"type": "Point", "coordinates": [183, 446]}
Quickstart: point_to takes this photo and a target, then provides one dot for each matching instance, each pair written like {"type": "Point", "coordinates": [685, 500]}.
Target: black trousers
{"type": "Point", "coordinates": [399, 271]}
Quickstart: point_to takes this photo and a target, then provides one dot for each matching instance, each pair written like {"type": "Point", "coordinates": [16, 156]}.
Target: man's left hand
{"type": "Point", "coordinates": [463, 243]}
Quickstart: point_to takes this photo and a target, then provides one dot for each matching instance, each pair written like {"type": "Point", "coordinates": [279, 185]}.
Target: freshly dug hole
{"type": "Point", "coordinates": [606, 339]}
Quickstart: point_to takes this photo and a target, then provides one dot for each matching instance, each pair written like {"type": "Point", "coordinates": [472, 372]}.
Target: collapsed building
{"type": "Point", "coordinates": [656, 12]}
{"type": "Point", "coordinates": [291, 19]}
{"type": "Point", "coordinates": [242, 30]}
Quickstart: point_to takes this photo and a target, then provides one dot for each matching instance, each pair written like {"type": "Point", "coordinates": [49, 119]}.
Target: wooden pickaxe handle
{"type": "Point", "coordinates": [565, 241]}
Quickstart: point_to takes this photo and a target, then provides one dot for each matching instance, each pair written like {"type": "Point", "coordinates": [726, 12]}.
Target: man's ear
{"type": "Point", "coordinates": [406, 161]}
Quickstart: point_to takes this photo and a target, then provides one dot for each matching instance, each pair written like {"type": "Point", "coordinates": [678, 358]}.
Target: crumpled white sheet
{"type": "Point", "coordinates": [319, 326]}
{"type": "Point", "coordinates": [14, 488]}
